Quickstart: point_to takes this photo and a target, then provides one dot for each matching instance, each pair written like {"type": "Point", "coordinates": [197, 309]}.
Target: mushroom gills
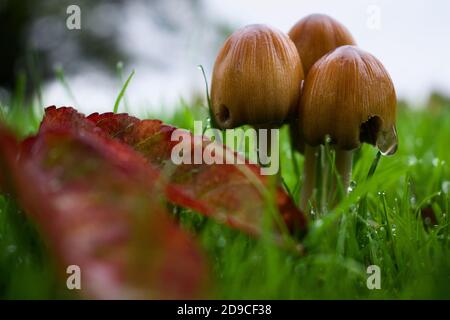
{"type": "Point", "coordinates": [223, 115]}
{"type": "Point", "coordinates": [368, 132]}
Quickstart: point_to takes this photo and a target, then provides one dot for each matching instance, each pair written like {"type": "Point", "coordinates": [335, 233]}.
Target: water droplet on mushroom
{"type": "Point", "coordinates": [387, 141]}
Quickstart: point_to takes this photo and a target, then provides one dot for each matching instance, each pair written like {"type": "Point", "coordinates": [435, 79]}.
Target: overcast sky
{"type": "Point", "coordinates": [411, 38]}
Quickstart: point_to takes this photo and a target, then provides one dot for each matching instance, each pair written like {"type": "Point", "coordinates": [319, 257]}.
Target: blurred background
{"type": "Point", "coordinates": [165, 40]}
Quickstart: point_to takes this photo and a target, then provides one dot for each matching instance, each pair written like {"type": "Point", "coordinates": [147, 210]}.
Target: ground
{"type": "Point", "coordinates": [382, 222]}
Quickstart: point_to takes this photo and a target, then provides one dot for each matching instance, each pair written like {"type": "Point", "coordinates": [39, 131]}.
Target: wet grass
{"type": "Point", "coordinates": [379, 223]}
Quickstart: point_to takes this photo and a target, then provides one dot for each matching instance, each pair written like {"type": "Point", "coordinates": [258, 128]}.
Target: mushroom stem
{"type": "Point", "coordinates": [324, 165]}
{"type": "Point", "coordinates": [343, 162]}
{"type": "Point", "coordinates": [309, 175]}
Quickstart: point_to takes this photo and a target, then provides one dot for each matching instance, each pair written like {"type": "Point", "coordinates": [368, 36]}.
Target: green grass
{"type": "Point", "coordinates": [379, 223]}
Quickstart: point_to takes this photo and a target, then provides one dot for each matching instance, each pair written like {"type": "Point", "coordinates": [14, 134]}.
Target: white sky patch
{"type": "Point", "coordinates": [413, 42]}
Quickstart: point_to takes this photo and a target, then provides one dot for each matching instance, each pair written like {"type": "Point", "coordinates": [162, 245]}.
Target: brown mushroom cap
{"type": "Point", "coordinates": [316, 35]}
{"type": "Point", "coordinates": [349, 96]}
{"type": "Point", "coordinates": [256, 79]}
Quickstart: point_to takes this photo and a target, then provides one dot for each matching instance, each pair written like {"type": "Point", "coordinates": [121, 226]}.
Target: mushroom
{"type": "Point", "coordinates": [316, 35]}
{"type": "Point", "coordinates": [256, 79]}
{"type": "Point", "coordinates": [349, 96]}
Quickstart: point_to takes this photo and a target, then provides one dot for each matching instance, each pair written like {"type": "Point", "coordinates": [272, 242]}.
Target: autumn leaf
{"type": "Point", "coordinates": [235, 194]}
{"type": "Point", "coordinates": [99, 206]}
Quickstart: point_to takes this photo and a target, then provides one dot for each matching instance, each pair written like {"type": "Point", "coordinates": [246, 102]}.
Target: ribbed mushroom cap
{"type": "Point", "coordinates": [349, 96]}
{"type": "Point", "coordinates": [256, 78]}
{"type": "Point", "coordinates": [316, 35]}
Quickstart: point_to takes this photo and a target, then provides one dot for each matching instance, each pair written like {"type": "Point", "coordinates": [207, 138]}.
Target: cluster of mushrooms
{"type": "Point", "coordinates": [316, 80]}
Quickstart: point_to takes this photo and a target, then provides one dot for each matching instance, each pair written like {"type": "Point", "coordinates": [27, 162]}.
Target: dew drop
{"type": "Point", "coordinates": [446, 186]}
{"type": "Point", "coordinates": [351, 186]}
{"type": "Point", "coordinates": [221, 242]}
{"type": "Point", "coordinates": [318, 223]}
{"type": "Point", "coordinates": [435, 162]}
{"type": "Point", "coordinates": [412, 160]}
{"type": "Point", "coordinates": [387, 141]}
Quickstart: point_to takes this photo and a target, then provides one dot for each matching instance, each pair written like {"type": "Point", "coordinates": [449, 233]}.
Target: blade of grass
{"type": "Point", "coordinates": [374, 165]}
{"type": "Point", "coordinates": [208, 98]}
{"type": "Point", "coordinates": [122, 92]}
{"type": "Point", "coordinates": [119, 69]}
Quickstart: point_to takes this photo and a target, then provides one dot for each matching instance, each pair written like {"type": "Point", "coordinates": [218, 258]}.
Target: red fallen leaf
{"type": "Point", "coordinates": [98, 206]}
{"type": "Point", "coordinates": [228, 192]}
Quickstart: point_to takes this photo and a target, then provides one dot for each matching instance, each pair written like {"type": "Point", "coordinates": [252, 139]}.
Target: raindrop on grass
{"type": "Point", "coordinates": [435, 162]}
{"type": "Point", "coordinates": [221, 242]}
{"type": "Point", "coordinates": [318, 223]}
{"type": "Point", "coordinates": [446, 186]}
{"type": "Point", "coordinates": [412, 161]}
{"type": "Point", "coordinates": [394, 229]}
{"type": "Point", "coordinates": [351, 186]}
{"type": "Point", "coordinates": [381, 193]}
{"type": "Point", "coordinates": [387, 141]}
